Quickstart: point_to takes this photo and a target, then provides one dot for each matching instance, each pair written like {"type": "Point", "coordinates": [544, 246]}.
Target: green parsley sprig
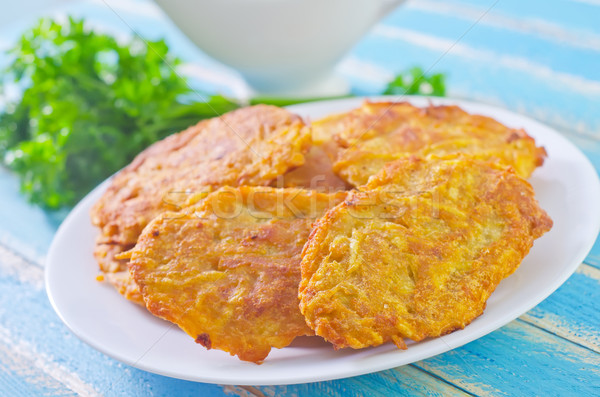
{"type": "Point", "coordinates": [89, 105]}
{"type": "Point", "coordinates": [416, 82]}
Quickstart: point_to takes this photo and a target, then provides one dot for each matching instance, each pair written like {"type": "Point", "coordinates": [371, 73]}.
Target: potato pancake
{"type": "Point", "coordinates": [249, 146]}
{"type": "Point", "coordinates": [379, 132]}
{"type": "Point", "coordinates": [227, 269]}
{"type": "Point", "coordinates": [417, 252]}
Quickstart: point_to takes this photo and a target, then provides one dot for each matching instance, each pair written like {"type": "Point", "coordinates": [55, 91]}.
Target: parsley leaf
{"type": "Point", "coordinates": [416, 82]}
{"type": "Point", "coordinates": [89, 105]}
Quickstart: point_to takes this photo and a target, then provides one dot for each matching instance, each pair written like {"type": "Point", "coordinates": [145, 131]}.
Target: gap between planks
{"type": "Point", "coordinates": [578, 341]}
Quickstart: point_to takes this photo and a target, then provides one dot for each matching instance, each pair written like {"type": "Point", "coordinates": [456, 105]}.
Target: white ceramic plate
{"type": "Point", "coordinates": [567, 187]}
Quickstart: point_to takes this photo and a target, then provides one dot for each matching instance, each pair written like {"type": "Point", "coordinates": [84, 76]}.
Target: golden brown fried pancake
{"type": "Point", "coordinates": [377, 133]}
{"type": "Point", "coordinates": [417, 252]}
{"type": "Point", "coordinates": [227, 269]}
{"type": "Point", "coordinates": [249, 146]}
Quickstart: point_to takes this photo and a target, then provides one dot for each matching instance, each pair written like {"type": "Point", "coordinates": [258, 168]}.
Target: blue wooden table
{"type": "Point", "coordinates": [539, 58]}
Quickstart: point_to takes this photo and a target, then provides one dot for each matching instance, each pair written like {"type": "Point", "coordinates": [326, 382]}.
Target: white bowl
{"type": "Point", "coordinates": [279, 46]}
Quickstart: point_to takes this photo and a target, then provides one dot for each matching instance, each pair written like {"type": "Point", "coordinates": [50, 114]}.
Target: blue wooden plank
{"type": "Point", "coordinates": [520, 360]}
{"type": "Point", "coordinates": [559, 56]}
{"type": "Point", "coordinates": [576, 15]}
{"type": "Point", "coordinates": [572, 312]}
{"type": "Point", "coordinates": [402, 381]}
{"type": "Point", "coordinates": [21, 375]}
{"type": "Point", "coordinates": [552, 31]}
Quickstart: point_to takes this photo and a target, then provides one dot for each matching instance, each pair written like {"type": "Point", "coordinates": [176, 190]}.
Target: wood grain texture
{"type": "Point", "coordinates": [573, 311]}
{"type": "Point", "coordinates": [575, 15]}
{"type": "Point", "coordinates": [402, 381]}
{"type": "Point", "coordinates": [37, 373]}
{"type": "Point", "coordinates": [520, 359]}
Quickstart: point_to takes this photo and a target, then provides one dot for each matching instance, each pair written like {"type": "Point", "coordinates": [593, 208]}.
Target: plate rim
{"type": "Point", "coordinates": [443, 344]}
